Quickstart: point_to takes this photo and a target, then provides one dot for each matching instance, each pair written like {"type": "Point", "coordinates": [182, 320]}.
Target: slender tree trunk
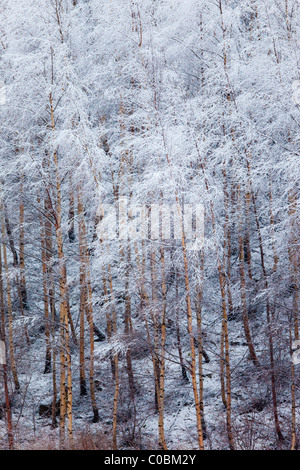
{"type": "Point", "coordinates": [16, 262]}
{"type": "Point", "coordinates": [54, 386]}
{"type": "Point", "coordinates": [190, 327]}
{"type": "Point", "coordinates": [161, 397]}
{"type": "Point", "coordinates": [199, 294]}
{"type": "Point", "coordinates": [225, 350]}
{"type": "Point", "coordinates": [65, 356]}
{"type": "Point", "coordinates": [22, 248]}
{"type": "Point", "coordinates": [247, 245]}
{"type": "Point", "coordinates": [5, 377]}
{"type": "Point", "coordinates": [178, 333]}
{"type": "Point", "coordinates": [243, 285]}
{"type": "Point", "coordinates": [83, 389]}
{"type": "Point", "coordinates": [9, 307]}
{"type": "Point", "coordinates": [156, 329]}
{"type": "Point", "coordinates": [89, 302]}
{"type": "Point", "coordinates": [117, 384]}
{"type": "Point", "coordinates": [269, 316]}
{"type": "Point", "coordinates": [71, 229]}
{"type": "Point", "coordinates": [294, 441]}
{"type": "Point", "coordinates": [128, 327]}
{"type": "Point", "coordinates": [47, 369]}
{"type": "Point", "coordinates": [10, 237]}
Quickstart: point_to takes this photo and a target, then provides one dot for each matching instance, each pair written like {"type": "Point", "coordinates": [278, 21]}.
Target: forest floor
{"type": "Point", "coordinates": [252, 408]}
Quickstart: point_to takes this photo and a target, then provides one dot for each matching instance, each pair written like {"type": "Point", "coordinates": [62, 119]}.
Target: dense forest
{"type": "Point", "coordinates": [149, 224]}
